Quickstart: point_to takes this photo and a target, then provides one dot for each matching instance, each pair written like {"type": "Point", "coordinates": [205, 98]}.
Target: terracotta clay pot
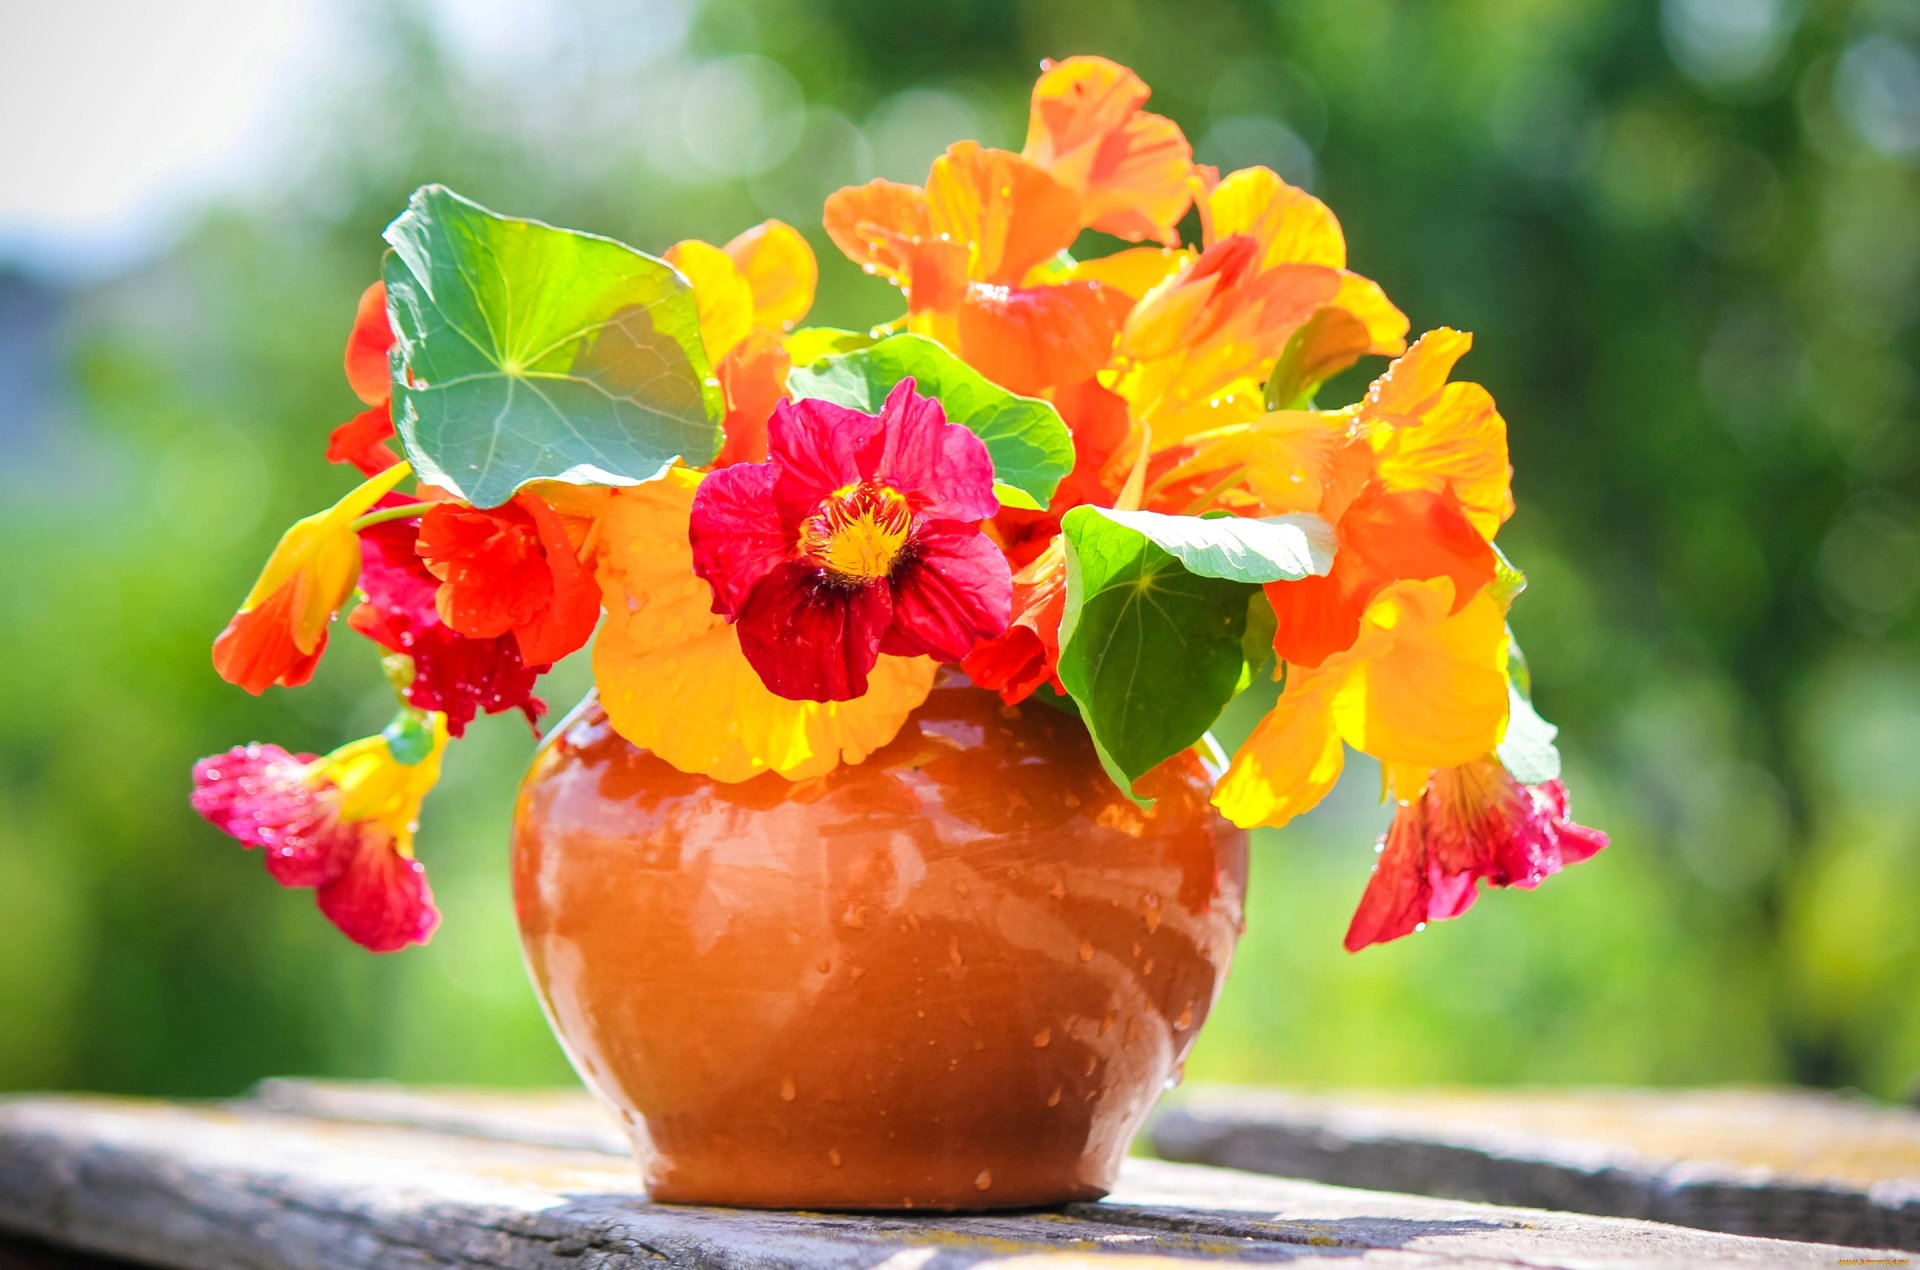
{"type": "Point", "coordinates": [954, 976]}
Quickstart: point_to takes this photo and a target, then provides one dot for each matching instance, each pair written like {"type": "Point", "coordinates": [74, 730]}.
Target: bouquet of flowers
{"type": "Point", "coordinates": [1087, 465]}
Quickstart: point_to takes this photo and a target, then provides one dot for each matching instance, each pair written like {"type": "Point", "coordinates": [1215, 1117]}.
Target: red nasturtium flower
{"type": "Point", "coordinates": [859, 536]}
{"type": "Point", "coordinates": [512, 569]}
{"type": "Point", "coordinates": [451, 673]}
{"type": "Point", "coordinates": [362, 440]}
{"type": "Point", "coordinates": [281, 629]}
{"type": "Point", "coordinates": [1469, 823]}
{"type": "Point", "coordinates": [342, 825]}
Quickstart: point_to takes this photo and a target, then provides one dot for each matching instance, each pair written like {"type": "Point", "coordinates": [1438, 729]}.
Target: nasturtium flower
{"type": "Point", "coordinates": [1195, 352]}
{"type": "Point", "coordinates": [671, 674]}
{"type": "Point", "coordinates": [1469, 823]}
{"type": "Point", "coordinates": [342, 825]}
{"type": "Point", "coordinates": [514, 569]}
{"type": "Point", "coordinates": [1424, 683]}
{"type": "Point", "coordinates": [281, 629]}
{"type": "Point", "coordinates": [860, 535]}
{"type": "Point", "coordinates": [1133, 171]}
{"type": "Point", "coordinates": [447, 673]}
{"type": "Point", "coordinates": [362, 440]}
{"type": "Point", "coordinates": [749, 294]}
{"type": "Point", "coordinates": [972, 252]}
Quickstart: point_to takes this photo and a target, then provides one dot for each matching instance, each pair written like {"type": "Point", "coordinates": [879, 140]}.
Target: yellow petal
{"type": "Point", "coordinates": [721, 293]}
{"type": "Point", "coordinates": [1426, 686]}
{"type": "Point", "coordinates": [1287, 457]}
{"type": "Point", "coordinates": [1419, 374]}
{"type": "Point", "coordinates": [1291, 225]}
{"type": "Point", "coordinates": [1134, 272]}
{"type": "Point", "coordinates": [780, 271]}
{"type": "Point", "coordinates": [1460, 443]}
{"type": "Point", "coordinates": [373, 786]}
{"type": "Point", "coordinates": [674, 681]}
{"type": "Point", "coordinates": [1289, 763]}
{"type": "Point", "coordinates": [321, 554]}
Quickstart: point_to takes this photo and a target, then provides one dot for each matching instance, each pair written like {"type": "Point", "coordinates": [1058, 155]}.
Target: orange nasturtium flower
{"type": "Point", "coordinates": [749, 293]}
{"type": "Point", "coordinates": [1424, 684]}
{"type": "Point", "coordinates": [513, 569]}
{"type": "Point", "coordinates": [1197, 348]}
{"type": "Point", "coordinates": [281, 629]}
{"type": "Point", "coordinates": [673, 679]}
{"type": "Point", "coordinates": [1131, 170]}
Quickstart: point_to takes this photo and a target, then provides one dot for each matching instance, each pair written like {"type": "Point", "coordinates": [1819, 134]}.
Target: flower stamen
{"type": "Point", "coordinates": [858, 533]}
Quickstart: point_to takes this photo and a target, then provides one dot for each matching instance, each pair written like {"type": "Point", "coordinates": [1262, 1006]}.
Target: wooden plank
{"type": "Point", "coordinates": [245, 1185]}
{"type": "Point", "coordinates": [1785, 1164]}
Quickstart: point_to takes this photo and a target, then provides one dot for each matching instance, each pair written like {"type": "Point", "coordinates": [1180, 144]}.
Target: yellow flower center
{"type": "Point", "coordinates": [858, 533]}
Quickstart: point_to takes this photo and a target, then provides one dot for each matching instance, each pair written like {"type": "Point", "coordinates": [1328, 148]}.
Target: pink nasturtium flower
{"type": "Point", "coordinates": [859, 536]}
{"type": "Point", "coordinates": [342, 825]}
{"type": "Point", "coordinates": [1468, 823]}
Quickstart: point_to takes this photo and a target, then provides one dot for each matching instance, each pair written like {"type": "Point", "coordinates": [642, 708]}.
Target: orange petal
{"type": "Point", "coordinates": [367, 345]}
{"type": "Point", "coordinates": [1132, 272]}
{"type": "Point", "coordinates": [870, 223]}
{"type": "Point", "coordinates": [754, 379]}
{"type": "Point", "coordinates": [1031, 339]}
{"type": "Point", "coordinates": [673, 679]}
{"type": "Point", "coordinates": [780, 269]}
{"type": "Point", "coordinates": [1419, 375]}
{"type": "Point", "coordinates": [1010, 214]}
{"type": "Point", "coordinates": [1460, 444]}
{"type": "Point", "coordinates": [1132, 170]}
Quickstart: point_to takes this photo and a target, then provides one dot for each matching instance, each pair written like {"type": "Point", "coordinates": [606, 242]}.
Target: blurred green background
{"type": "Point", "coordinates": [1686, 234]}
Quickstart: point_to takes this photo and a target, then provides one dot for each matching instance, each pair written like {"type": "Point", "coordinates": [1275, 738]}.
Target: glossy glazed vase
{"type": "Point", "coordinates": [954, 976]}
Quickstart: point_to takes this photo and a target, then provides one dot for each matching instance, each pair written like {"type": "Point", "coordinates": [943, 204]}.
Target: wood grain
{"type": "Point", "coordinates": [1786, 1164]}
{"type": "Point", "coordinates": [332, 1176]}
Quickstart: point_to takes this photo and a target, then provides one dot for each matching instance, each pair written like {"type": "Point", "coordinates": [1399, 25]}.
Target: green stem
{"type": "Point", "coordinates": [403, 512]}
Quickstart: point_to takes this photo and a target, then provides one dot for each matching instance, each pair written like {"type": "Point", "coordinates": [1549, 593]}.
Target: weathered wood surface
{"type": "Point", "coordinates": [1786, 1164]}
{"type": "Point", "coordinates": [342, 1176]}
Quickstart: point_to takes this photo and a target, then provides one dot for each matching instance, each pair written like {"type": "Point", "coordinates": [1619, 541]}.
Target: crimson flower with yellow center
{"type": "Point", "coordinates": [859, 536]}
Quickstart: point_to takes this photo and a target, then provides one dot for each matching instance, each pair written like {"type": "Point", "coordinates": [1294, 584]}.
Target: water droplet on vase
{"type": "Point", "coordinates": [787, 1092]}
{"type": "Point", "coordinates": [833, 1157]}
{"type": "Point", "coordinates": [1043, 1038]}
{"type": "Point", "coordinates": [953, 952]}
{"type": "Point", "coordinates": [824, 965]}
{"type": "Point", "coordinates": [1179, 1074]}
{"type": "Point", "coordinates": [1106, 1024]}
{"type": "Point", "coordinates": [1146, 969]}
{"type": "Point", "coordinates": [1053, 1099]}
{"type": "Point", "coordinates": [1086, 952]}
{"type": "Point", "coordinates": [984, 1181]}
{"type": "Point", "coordinates": [1059, 891]}
{"type": "Point", "coordinates": [1185, 1020]}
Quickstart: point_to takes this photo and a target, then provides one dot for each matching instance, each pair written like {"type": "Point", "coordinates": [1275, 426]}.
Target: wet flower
{"type": "Point", "coordinates": [447, 672]}
{"type": "Point", "coordinates": [362, 440]}
{"type": "Point", "coordinates": [1132, 170]}
{"type": "Point", "coordinates": [860, 535]}
{"type": "Point", "coordinates": [749, 294]}
{"type": "Point", "coordinates": [342, 825]}
{"type": "Point", "coordinates": [1027, 654]}
{"type": "Point", "coordinates": [281, 628]}
{"type": "Point", "coordinates": [1424, 683]}
{"type": "Point", "coordinates": [1469, 823]}
{"type": "Point", "coordinates": [513, 569]}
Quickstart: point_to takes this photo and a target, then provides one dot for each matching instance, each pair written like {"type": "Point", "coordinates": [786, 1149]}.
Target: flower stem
{"type": "Point", "coordinates": [403, 512]}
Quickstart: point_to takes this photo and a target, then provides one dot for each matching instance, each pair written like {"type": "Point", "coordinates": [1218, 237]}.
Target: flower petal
{"type": "Point", "coordinates": [817, 447]}
{"type": "Point", "coordinates": [1288, 764]}
{"type": "Point", "coordinates": [381, 900]}
{"type": "Point", "coordinates": [736, 534]}
{"type": "Point", "coordinates": [362, 441]}
{"type": "Point", "coordinates": [566, 621]}
{"type": "Point", "coordinates": [258, 648]}
{"type": "Point", "coordinates": [942, 468]}
{"type": "Point", "coordinates": [1430, 686]}
{"type": "Point", "coordinates": [954, 591]}
{"type": "Point", "coordinates": [367, 370]}
{"type": "Point", "coordinates": [1132, 170]}
{"type": "Point", "coordinates": [812, 639]}
{"type": "Point", "coordinates": [721, 294]}
{"type": "Point", "coordinates": [1031, 339]}
{"type": "Point", "coordinates": [1009, 213]}
{"type": "Point", "coordinates": [780, 269]}
{"type": "Point", "coordinates": [260, 796]}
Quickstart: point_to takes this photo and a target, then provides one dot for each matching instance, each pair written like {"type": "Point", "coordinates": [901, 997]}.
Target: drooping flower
{"type": "Point", "coordinates": [448, 673]}
{"type": "Point", "coordinates": [281, 628]}
{"type": "Point", "coordinates": [749, 293]}
{"type": "Point", "coordinates": [673, 679]}
{"type": "Point", "coordinates": [860, 535]}
{"type": "Point", "coordinates": [1196, 350]}
{"type": "Point", "coordinates": [1469, 823]}
{"type": "Point", "coordinates": [362, 440]}
{"type": "Point", "coordinates": [513, 569]}
{"type": "Point", "coordinates": [1133, 171]}
{"type": "Point", "coordinates": [1425, 683]}
{"type": "Point", "coordinates": [342, 825]}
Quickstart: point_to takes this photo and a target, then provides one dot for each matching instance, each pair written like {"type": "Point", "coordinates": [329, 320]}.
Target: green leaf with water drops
{"type": "Point", "coordinates": [1030, 447]}
{"type": "Point", "coordinates": [526, 353]}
